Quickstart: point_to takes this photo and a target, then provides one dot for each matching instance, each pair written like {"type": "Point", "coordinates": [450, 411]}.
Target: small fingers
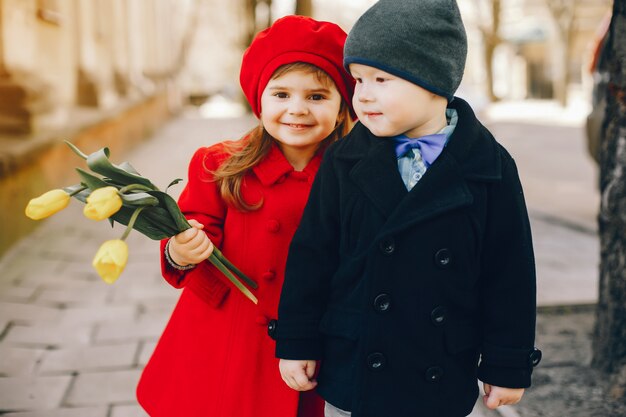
{"type": "Point", "coordinates": [196, 224]}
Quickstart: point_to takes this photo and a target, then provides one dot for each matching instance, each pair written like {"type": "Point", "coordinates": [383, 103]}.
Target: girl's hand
{"type": "Point", "coordinates": [497, 396]}
{"type": "Point", "coordinates": [191, 246]}
{"type": "Point", "coordinates": [298, 375]}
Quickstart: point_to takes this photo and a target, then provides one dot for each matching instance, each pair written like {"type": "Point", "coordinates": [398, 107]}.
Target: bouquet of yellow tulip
{"type": "Point", "coordinates": [121, 194]}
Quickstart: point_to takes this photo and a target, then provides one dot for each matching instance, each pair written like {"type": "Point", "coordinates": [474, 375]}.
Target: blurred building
{"type": "Point", "coordinates": [544, 46]}
{"type": "Point", "coordinates": [95, 72]}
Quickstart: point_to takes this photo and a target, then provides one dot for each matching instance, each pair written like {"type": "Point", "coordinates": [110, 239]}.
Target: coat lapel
{"type": "Point", "coordinates": [376, 174]}
{"type": "Point", "coordinates": [443, 188]}
{"type": "Point", "coordinates": [471, 155]}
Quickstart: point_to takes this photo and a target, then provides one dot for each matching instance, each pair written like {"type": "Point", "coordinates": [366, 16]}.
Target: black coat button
{"type": "Point", "coordinates": [387, 246]}
{"type": "Point", "coordinates": [438, 315]}
{"type": "Point", "coordinates": [434, 374]}
{"type": "Point", "coordinates": [271, 329]}
{"type": "Point", "coordinates": [443, 258]}
{"type": "Point", "coordinates": [376, 361]}
{"type": "Point", "coordinates": [382, 303]}
{"type": "Point", "coordinates": [535, 357]}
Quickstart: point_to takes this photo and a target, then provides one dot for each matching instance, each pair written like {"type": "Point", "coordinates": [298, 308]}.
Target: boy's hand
{"type": "Point", "coordinates": [191, 246]}
{"type": "Point", "coordinates": [298, 374]}
{"type": "Point", "coordinates": [497, 396]}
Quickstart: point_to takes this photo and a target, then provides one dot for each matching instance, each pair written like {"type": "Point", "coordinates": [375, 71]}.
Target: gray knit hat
{"type": "Point", "coordinates": [422, 41]}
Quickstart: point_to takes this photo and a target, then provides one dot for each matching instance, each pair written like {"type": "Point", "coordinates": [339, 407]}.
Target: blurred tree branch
{"type": "Point", "coordinates": [489, 27]}
{"type": "Point", "coordinates": [563, 13]}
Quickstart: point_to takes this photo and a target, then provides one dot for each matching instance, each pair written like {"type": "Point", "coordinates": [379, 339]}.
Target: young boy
{"type": "Point", "coordinates": [412, 271]}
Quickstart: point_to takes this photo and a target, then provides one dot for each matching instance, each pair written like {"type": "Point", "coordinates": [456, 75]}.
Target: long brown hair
{"type": "Point", "coordinates": [256, 144]}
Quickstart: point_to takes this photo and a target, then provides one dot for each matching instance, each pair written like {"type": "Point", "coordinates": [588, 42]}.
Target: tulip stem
{"type": "Point", "coordinates": [78, 190]}
{"type": "Point", "coordinates": [131, 222]}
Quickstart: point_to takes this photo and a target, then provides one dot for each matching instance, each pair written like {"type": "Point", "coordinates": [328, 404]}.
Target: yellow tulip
{"type": "Point", "coordinates": [47, 204]}
{"type": "Point", "coordinates": [110, 260]}
{"type": "Point", "coordinates": [102, 203]}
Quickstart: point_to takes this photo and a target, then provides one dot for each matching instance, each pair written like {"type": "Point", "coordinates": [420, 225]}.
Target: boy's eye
{"type": "Point", "coordinates": [281, 94]}
{"type": "Point", "coordinates": [317, 97]}
{"type": "Point", "coordinates": [358, 80]}
{"type": "Point", "coordinates": [380, 79]}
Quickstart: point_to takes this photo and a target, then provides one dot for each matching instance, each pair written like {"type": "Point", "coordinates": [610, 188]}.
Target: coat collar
{"type": "Point", "coordinates": [275, 167]}
{"type": "Point", "coordinates": [471, 153]}
{"type": "Point", "coordinates": [470, 145]}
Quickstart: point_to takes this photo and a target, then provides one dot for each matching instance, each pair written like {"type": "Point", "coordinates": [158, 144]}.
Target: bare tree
{"type": "Point", "coordinates": [251, 18]}
{"type": "Point", "coordinates": [609, 342]}
{"type": "Point", "coordinates": [304, 7]}
{"type": "Point", "coordinates": [489, 27]}
{"type": "Point", "coordinates": [563, 14]}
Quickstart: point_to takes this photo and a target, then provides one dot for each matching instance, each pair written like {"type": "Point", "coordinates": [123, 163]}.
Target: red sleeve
{"type": "Point", "coordinates": [200, 200]}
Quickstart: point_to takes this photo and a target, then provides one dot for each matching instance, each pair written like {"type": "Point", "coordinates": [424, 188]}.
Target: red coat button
{"type": "Point", "coordinates": [261, 320]}
{"type": "Point", "coordinates": [269, 275]}
{"type": "Point", "coordinates": [273, 226]}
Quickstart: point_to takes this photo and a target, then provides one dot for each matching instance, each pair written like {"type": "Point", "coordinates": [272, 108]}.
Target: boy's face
{"type": "Point", "coordinates": [390, 106]}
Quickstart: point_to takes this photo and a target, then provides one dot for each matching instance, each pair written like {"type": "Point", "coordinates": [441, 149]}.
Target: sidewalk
{"type": "Point", "coordinates": [72, 346]}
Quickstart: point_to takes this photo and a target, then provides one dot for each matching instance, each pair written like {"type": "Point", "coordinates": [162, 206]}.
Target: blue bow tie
{"type": "Point", "coordinates": [430, 146]}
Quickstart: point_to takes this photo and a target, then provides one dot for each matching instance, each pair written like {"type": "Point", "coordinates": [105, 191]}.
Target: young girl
{"type": "Point", "coordinates": [215, 357]}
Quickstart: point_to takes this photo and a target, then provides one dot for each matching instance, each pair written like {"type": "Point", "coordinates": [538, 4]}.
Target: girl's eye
{"type": "Point", "coordinates": [380, 79]}
{"type": "Point", "coordinates": [317, 97]}
{"type": "Point", "coordinates": [281, 95]}
{"type": "Point", "coordinates": [358, 80]}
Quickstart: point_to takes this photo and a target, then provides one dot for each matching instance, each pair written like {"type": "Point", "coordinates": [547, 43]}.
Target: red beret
{"type": "Point", "coordinates": [294, 39]}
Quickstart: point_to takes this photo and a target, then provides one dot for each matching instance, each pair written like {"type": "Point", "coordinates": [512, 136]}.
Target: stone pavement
{"type": "Point", "coordinates": [73, 346]}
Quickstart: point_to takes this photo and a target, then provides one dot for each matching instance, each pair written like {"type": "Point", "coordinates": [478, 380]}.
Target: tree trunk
{"type": "Point", "coordinates": [563, 13]}
{"type": "Point", "coordinates": [491, 39]}
{"type": "Point", "coordinates": [304, 7]}
{"type": "Point", "coordinates": [609, 342]}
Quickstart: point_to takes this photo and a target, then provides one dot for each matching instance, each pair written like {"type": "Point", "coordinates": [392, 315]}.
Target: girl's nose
{"type": "Point", "coordinates": [297, 106]}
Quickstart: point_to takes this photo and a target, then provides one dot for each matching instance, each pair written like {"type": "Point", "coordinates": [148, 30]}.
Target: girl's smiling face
{"type": "Point", "coordinates": [299, 111]}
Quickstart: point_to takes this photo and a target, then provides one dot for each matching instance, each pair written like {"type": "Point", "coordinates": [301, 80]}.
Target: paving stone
{"type": "Point", "coordinates": [17, 273]}
{"type": "Point", "coordinates": [147, 328]}
{"type": "Point", "coordinates": [104, 388]}
{"type": "Point", "coordinates": [39, 277]}
{"type": "Point", "coordinates": [32, 393]}
{"type": "Point", "coordinates": [98, 314]}
{"type": "Point", "coordinates": [18, 361]}
{"type": "Point", "coordinates": [95, 294]}
{"type": "Point", "coordinates": [16, 294]}
{"type": "Point", "coordinates": [64, 412]}
{"type": "Point", "coordinates": [49, 335]}
{"type": "Point", "coordinates": [28, 313]}
{"type": "Point", "coordinates": [128, 411]}
{"type": "Point", "coordinates": [146, 352]}
{"type": "Point", "coordinates": [90, 358]}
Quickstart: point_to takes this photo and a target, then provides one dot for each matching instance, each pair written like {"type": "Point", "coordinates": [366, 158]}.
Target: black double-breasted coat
{"type": "Point", "coordinates": [408, 297]}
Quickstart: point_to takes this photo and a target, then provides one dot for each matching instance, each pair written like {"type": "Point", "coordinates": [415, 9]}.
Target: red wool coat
{"type": "Point", "coordinates": [214, 358]}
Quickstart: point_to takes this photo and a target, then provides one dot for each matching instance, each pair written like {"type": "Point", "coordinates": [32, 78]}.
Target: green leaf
{"type": "Point", "coordinates": [218, 254]}
{"type": "Point", "coordinates": [176, 181]}
{"type": "Point", "coordinates": [139, 199]}
{"type": "Point", "coordinates": [219, 265]}
{"type": "Point", "coordinates": [91, 180]}
{"type": "Point", "coordinates": [99, 163]}
{"type": "Point", "coordinates": [171, 206]}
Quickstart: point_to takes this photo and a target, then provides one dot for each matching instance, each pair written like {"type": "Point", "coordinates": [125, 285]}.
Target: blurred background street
{"type": "Point", "coordinates": [154, 80]}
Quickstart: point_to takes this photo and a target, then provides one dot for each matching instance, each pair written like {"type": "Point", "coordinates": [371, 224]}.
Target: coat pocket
{"type": "Point", "coordinates": [340, 329]}
{"type": "Point", "coordinates": [461, 337]}
{"type": "Point", "coordinates": [341, 323]}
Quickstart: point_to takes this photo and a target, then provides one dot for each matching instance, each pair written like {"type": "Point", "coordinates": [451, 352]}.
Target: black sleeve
{"type": "Point", "coordinates": [312, 260]}
{"type": "Point", "coordinates": [508, 283]}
